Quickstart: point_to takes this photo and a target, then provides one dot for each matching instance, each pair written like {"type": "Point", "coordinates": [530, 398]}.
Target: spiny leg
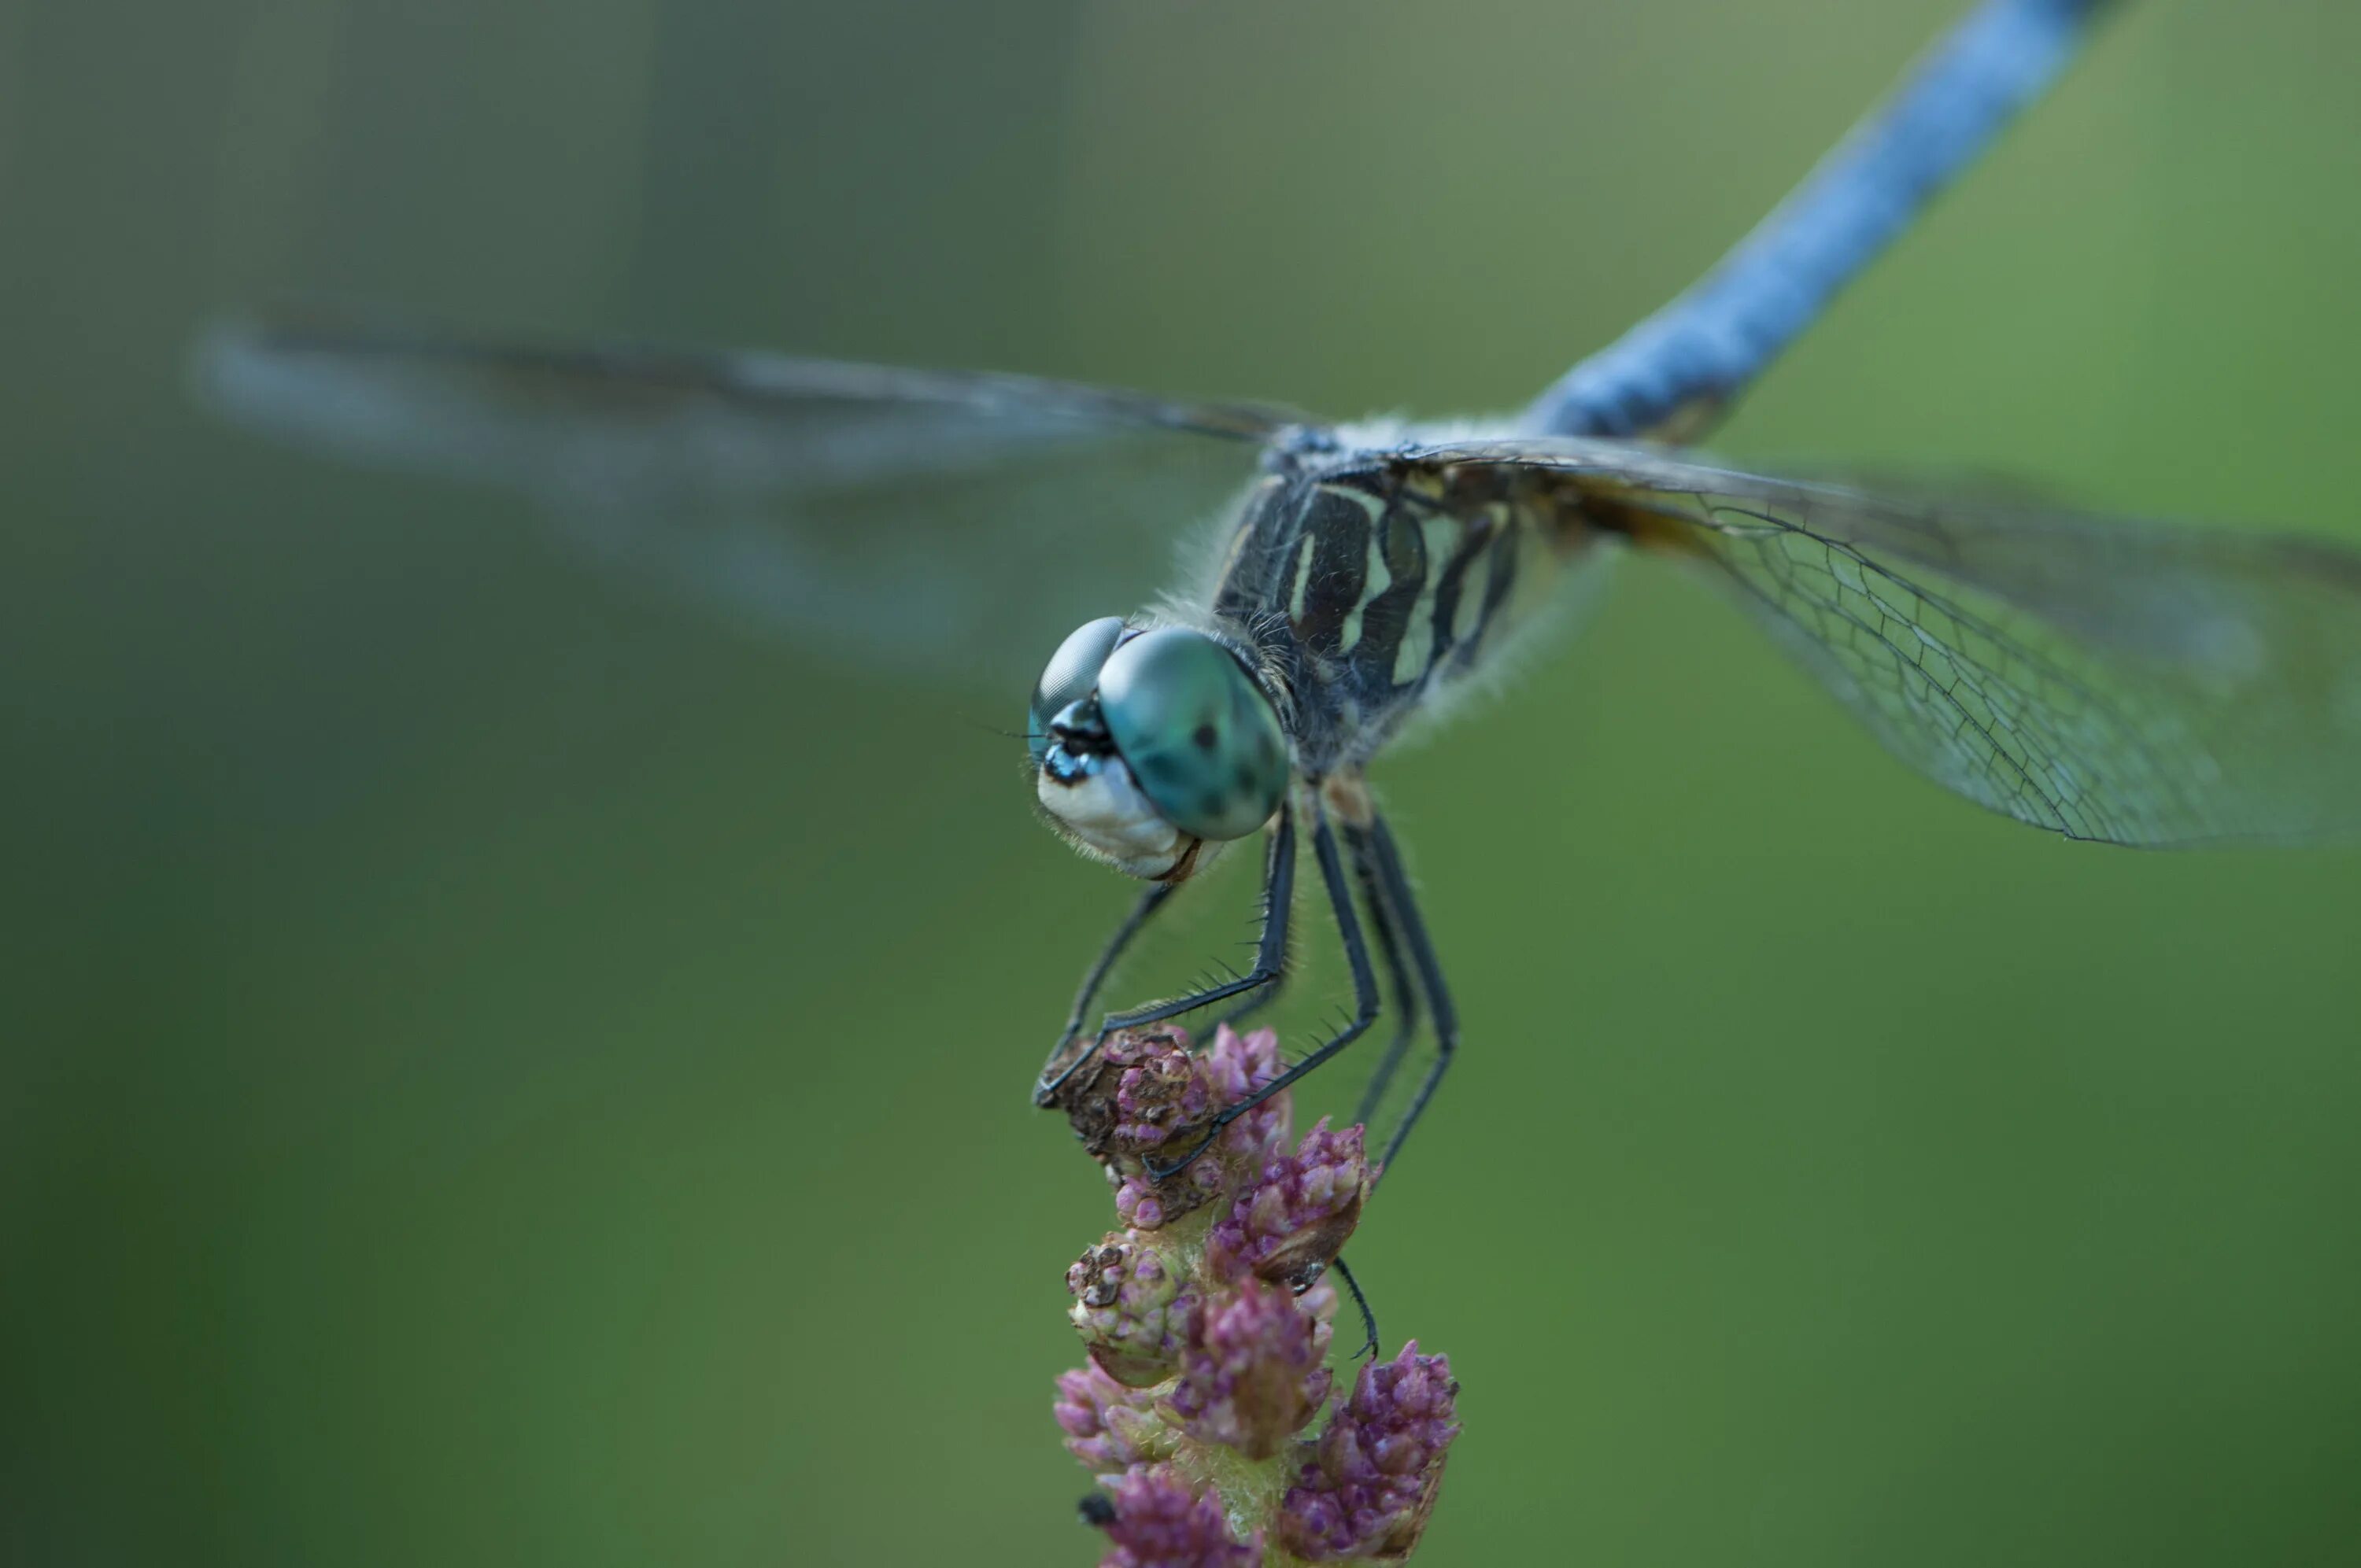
{"type": "Point", "coordinates": [1270, 958]}
{"type": "Point", "coordinates": [1262, 998]}
{"type": "Point", "coordinates": [1395, 884]}
{"type": "Point", "coordinates": [1256, 1004]}
{"type": "Point", "coordinates": [1381, 926]}
{"type": "Point", "coordinates": [1366, 1001]}
{"type": "Point", "coordinates": [1368, 1317]}
{"type": "Point", "coordinates": [1270, 954]}
{"type": "Point", "coordinates": [1150, 903]}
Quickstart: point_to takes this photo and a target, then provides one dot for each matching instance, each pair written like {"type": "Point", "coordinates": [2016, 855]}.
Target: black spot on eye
{"type": "Point", "coordinates": [1245, 779]}
{"type": "Point", "coordinates": [1205, 736]}
{"type": "Point", "coordinates": [1212, 803]}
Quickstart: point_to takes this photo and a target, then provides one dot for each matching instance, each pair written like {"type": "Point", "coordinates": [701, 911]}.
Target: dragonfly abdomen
{"type": "Point", "coordinates": [1383, 584]}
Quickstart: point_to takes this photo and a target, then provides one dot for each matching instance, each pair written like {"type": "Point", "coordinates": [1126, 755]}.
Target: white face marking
{"type": "Point", "coordinates": [1105, 811]}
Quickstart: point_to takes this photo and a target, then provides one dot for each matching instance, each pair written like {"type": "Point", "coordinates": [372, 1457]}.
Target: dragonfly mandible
{"type": "Point", "coordinates": [2125, 682]}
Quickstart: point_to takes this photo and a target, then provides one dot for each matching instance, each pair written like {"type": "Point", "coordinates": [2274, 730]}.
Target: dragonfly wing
{"type": "Point", "coordinates": [2133, 682]}
{"type": "Point", "coordinates": [926, 518]}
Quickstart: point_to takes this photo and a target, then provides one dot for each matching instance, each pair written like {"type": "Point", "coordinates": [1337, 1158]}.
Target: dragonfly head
{"type": "Point", "coordinates": [1152, 749]}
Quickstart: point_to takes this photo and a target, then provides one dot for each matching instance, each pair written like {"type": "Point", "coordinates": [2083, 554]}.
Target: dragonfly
{"type": "Point", "coordinates": [2118, 681]}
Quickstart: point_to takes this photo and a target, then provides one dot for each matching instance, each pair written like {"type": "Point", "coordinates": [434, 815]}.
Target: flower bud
{"type": "Point", "coordinates": [1156, 1519]}
{"type": "Point", "coordinates": [1144, 1097]}
{"type": "Point", "coordinates": [1291, 1222]}
{"type": "Point", "coordinates": [1108, 1427]}
{"type": "Point", "coordinates": [1250, 1372]}
{"type": "Point", "coordinates": [1130, 1310]}
{"type": "Point", "coordinates": [1371, 1479]}
{"type": "Point", "coordinates": [1235, 1068]}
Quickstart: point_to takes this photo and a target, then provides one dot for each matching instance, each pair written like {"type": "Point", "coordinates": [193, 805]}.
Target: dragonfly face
{"type": "Point", "coordinates": [1153, 748]}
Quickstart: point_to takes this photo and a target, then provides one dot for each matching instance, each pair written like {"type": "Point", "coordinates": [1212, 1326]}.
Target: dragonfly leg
{"type": "Point", "coordinates": [1369, 1319]}
{"type": "Point", "coordinates": [1394, 883]}
{"type": "Point", "coordinates": [1382, 922]}
{"type": "Point", "coordinates": [1366, 1002]}
{"type": "Point", "coordinates": [1270, 960]}
{"type": "Point", "coordinates": [1262, 999]}
{"type": "Point", "coordinates": [1268, 993]}
{"type": "Point", "coordinates": [1150, 903]}
{"type": "Point", "coordinates": [1381, 926]}
{"type": "Point", "coordinates": [1255, 1003]}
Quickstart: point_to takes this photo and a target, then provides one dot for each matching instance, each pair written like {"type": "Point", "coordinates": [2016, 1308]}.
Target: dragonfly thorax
{"type": "Point", "coordinates": [1154, 747]}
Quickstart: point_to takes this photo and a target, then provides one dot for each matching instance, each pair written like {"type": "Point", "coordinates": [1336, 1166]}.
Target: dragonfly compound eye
{"type": "Point", "coordinates": [1073, 670]}
{"type": "Point", "coordinates": [1198, 734]}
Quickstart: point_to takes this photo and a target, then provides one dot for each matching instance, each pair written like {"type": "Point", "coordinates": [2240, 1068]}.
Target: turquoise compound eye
{"type": "Point", "coordinates": [1200, 738]}
{"type": "Point", "coordinates": [1073, 670]}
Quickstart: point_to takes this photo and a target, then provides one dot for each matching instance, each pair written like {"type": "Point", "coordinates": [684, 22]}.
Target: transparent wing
{"type": "Point", "coordinates": [925, 518]}
{"type": "Point", "coordinates": [2138, 683]}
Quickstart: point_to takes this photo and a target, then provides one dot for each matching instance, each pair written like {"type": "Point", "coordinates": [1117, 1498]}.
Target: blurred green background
{"type": "Point", "coordinates": [504, 1069]}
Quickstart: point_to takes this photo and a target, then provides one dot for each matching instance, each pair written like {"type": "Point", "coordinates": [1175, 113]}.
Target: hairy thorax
{"type": "Point", "coordinates": [1376, 588]}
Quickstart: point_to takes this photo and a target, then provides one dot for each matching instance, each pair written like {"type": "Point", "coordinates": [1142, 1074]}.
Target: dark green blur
{"type": "Point", "coordinates": [502, 1069]}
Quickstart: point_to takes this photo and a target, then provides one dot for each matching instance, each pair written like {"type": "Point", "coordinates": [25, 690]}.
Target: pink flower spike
{"type": "Point", "coordinates": [1145, 1097]}
{"type": "Point", "coordinates": [1130, 1309]}
{"type": "Point", "coordinates": [1208, 1321]}
{"type": "Point", "coordinates": [1108, 1427]}
{"type": "Point", "coordinates": [1156, 1520]}
{"type": "Point", "coordinates": [1235, 1068]}
{"type": "Point", "coordinates": [1292, 1221]}
{"type": "Point", "coordinates": [1251, 1374]}
{"type": "Point", "coordinates": [1158, 1091]}
{"type": "Point", "coordinates": [1373, 1474]}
